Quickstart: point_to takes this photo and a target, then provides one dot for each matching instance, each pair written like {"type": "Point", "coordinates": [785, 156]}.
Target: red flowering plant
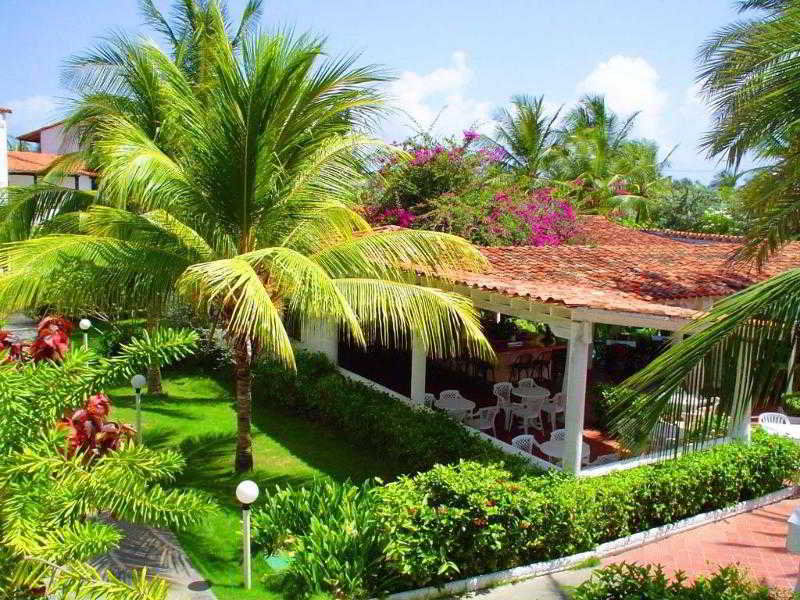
{"type": "Point", "coordinates": [530, 218]}
{"type": "Point", "coordinates": [90, 432]}
{"type": "Point", "coordinates": [51, 343]}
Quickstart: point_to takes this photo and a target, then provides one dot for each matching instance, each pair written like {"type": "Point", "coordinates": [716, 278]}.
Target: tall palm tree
{"type": "Point", "coordinates": [638, 177]}
{"type": "Point", "coordinates": [528, 135]}
{"type": "Point", "coordinates": [246, 189]}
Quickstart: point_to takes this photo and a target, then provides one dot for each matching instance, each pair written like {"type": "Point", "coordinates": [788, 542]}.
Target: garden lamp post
{"type": "Point", "coordinates": [85, 324]}
{"type": "Point", "coordinates": [137, 383]}
{"type": "Point", "coordinates": [246, 493]}
{"type": "Point", "coordinates": [793, 539]}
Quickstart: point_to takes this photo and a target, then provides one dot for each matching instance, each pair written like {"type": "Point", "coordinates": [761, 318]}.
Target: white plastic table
{"type": "Point", "coordinates": [791, 431]}
{"type": "Point", "coordinates": [531, 393]}
{"type": "Point", "coordinates": [455, 404]}
{"type": "Point", "coordinates": [555, 449]}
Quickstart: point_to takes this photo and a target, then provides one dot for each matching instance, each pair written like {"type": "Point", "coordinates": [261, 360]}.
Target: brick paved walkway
{"type": "Point", "coordinates": [756, 540]}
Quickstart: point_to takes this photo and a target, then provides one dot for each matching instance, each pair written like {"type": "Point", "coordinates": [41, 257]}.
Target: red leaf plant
{"type": "Point", "coordinates": [51, 343]}
{"type": "Point", "coordinates": [90, 433]}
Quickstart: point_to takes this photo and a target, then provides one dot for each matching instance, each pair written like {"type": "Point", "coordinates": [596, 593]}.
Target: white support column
{"type": "Point", "coordinates": [790, 367]}
{"type": "Point", "coordinates": [578, 364]}
{"type": "Point", "coordinates": [419, 357]}
{"type": "Point", "coordinates": [565, 380]}
{"type": "Point", "coordinates": [740, 426]}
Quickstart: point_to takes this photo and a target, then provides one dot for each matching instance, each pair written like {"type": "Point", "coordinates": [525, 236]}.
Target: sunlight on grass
{"type": "Point", "coordinates": [198, 417]}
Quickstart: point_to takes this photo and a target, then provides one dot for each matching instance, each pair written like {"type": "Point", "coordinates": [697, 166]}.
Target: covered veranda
{"type": "Point", "coordinates": [612, 276]}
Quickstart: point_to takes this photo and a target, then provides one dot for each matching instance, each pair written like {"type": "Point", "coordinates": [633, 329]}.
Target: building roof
{"type": "Point", "coordinates": [35, 163]}
{"type": "Point", "coordinates": [36, 134]}
{"type": "Point", "coordinates": [4, 110]}
{"type": "Point", "coordinates": [610, 267]}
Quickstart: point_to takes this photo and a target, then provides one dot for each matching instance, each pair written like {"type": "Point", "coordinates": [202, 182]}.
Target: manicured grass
{"type": "Point", "coordinates": [197, 416]}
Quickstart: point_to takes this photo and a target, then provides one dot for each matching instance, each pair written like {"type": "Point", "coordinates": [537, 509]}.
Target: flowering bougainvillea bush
{"type": "Point", "coordinates": [465, 187]}
{"type": "Point", "coordinates": [535, 219]}
{"type": "Point", "coordinates": [402, 189]}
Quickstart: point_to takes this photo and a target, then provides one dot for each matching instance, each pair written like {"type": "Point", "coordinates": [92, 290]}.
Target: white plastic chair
{"type": "Point", "coordinates": [429, 401]}
{"type": "Point", "coordinates": [526, 443]}
{"type": "Point", "coordinates": [561, 434]}
{"type": "Point", "coordinates": [502, 391]}
{"type": "Point", "coordinates": [554, 406]}
{"type": "Point", "coordinates": [773, 418]}
{"type": "Point", "coordinates": [450, 395]}
{"type": "Point", "coordinates": [526, 383]}
{"type": "Point", "coordinates": [484, 419]}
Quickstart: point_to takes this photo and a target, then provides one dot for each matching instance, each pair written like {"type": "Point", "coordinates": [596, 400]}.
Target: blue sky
{"type": "Point", "coordinates": [467, 56]}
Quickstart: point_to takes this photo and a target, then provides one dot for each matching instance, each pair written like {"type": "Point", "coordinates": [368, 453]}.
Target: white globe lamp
{"type": "Point", "coordinates": [85, 324]}
{"type": "Point", "coordinates": [246, 494]}
{"type": "Point", "coordinates": [137, 383]}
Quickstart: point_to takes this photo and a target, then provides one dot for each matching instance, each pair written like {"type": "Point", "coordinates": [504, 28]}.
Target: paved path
{"type": "Point", "coordinates": [547, 587]}
{"type": "Point", "coordinates": [21, 326]}
{"type": "Point", "coordinates": [159, 551]}
{"type": "Point", "coordinates": [756, 540]}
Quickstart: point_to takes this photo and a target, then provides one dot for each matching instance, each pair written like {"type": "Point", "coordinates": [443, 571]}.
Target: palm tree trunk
{"type": "Point", "coordinates": [244, 406]}
{"type": "Point", "coordinates": [154, 369]}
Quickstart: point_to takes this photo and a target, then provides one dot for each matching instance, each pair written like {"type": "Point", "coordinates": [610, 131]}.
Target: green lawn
{"type": "Point", "coordinates": [197, 416]}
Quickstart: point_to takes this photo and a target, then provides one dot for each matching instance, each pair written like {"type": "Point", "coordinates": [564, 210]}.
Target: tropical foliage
{"type": "Point", "coordinates": [57, 477]}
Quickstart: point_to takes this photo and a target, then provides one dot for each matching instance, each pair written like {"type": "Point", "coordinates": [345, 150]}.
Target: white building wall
{"type": "Point", "coordinates": [84, 182]}
{"type": "Point", "coordinates": [54, 142]}
{"type": "Point", "coordinates": [3, 150]}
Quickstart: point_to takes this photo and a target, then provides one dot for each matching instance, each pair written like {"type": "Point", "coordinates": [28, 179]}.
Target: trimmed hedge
{"type": "Point", "coordinates": [411, 439]}
{"type": "Point", "coordinates": [452, 522]}
{"type": "Point", "coordinates": [467, 519]}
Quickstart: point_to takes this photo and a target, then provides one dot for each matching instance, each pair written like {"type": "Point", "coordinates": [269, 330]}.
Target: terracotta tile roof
{"type": "Point", "coordinates": [4, 110]}
{"type": "Point", "coordinates": [615, 268]}
{"type": "Point", "coordinates": [34, 163]}
{"type": "Point", "coordinates": [694, 235]}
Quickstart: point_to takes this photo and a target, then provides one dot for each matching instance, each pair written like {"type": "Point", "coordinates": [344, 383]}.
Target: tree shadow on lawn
{"type": "Point", "coordinates": [209, 468]}
{"type": "Point", "coordinates": [320, 446]}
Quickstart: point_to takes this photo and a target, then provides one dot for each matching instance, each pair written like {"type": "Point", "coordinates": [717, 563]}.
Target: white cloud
{"type": "Point", "coordinates": [630, 84]}
{"type": "Point", "coordinates": [440, 93]}
{"type": "Point", "coordinates": [30, 113]}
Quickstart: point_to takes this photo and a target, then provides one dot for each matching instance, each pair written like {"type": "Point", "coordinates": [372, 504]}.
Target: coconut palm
{"type": "Point", "coordinates": [751, 76]}
{"type": "Point", "coordinates": [638, 177]}
{"type": "Point", "coordinates": [527, 134]}
{"type": "Point", "coordinates": [245, 193]}
{"type": "Point", "coordinates": [742, 345]}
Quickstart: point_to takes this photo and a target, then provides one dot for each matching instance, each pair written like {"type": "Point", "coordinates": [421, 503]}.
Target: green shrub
{"type": "Point", "coordinates": [791, 404]}
{"type": "Point", "coordinates": [468, 519]}
{"type": "Point", "coordinates": [412, 440]}
{"type": "Point", "coordinates": [119, 333]}
{"type": "Point", "coordinates": [332, 532]}
{"type": "Point", "coordinates": [622, 581]}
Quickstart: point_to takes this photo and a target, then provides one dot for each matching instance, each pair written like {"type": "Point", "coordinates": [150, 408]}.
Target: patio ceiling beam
{"type": "Point", "coordinates": [626, 319]}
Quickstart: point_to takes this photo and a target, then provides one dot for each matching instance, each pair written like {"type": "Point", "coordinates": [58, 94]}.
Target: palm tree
{"type": "Point", "coordinates": [751, 76]}
{"type": "Point", "coordinates": [527, 134]}
{"type": "Point", "coordinates": [245, 190]}
{"type": "Point", "coordinates": [638, 178]}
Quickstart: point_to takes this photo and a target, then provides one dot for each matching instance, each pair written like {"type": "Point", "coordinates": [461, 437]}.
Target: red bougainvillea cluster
{"type": "Point", "coordinates": [537, 219]}
{"type": "Point", "coordinates": [90, 432]}
{"type": "Point", "coordinates": [51, 343]}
